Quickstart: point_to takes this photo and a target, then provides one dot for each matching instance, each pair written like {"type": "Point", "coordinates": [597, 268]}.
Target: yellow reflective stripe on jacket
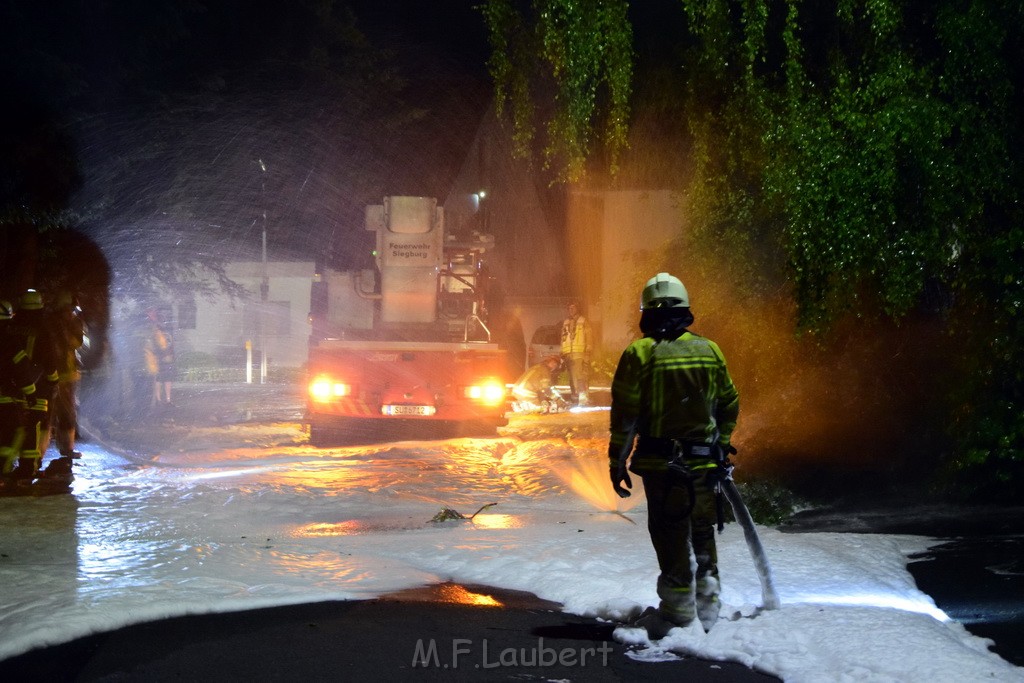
{"type": "Point", "coordinates": [673, 389]}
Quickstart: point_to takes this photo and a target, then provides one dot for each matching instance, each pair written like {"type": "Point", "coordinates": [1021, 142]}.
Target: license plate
{"type": "Point", "coordinates": [408, 410]}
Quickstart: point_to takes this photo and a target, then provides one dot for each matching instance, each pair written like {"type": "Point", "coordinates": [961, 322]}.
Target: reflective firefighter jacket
{"type": "Point", "coordinates": [18, 374]}
{"type": "Point", "coordinates": [576, 340]}
{"type": "Point", "coordinates": [38, 355]}
{"type": "Point", "coordinates": [535, 382]}
{"type": "Point", "coordinates": [672, 389]}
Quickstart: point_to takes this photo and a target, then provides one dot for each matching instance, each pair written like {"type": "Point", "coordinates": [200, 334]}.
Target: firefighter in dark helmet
{"type": "Point", "coordinates": [35, 330]}
{"type": "Point", "coordinates": [674, 408]}
{"type": "Point", "coordinates": [17, 378]}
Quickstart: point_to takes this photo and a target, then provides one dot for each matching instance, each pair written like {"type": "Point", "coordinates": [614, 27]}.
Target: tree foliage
{"type": "Point", "coordinates": [871, 143]}
{"type": "Point", "coordinates": [583, 48]}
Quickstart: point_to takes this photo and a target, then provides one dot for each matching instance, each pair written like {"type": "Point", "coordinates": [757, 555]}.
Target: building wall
{"type": "Point", "coordinates": [223, 325]}
{"type": "Point", "coordinates": [635, 227]}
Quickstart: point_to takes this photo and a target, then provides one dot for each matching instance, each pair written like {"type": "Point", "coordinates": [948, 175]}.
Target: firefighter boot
{"type": "Point", "coordinates": [708, 604]}
{"type": "Point", "coordinates": [8, 458]}
{"type": "Point", "coordinates": [66, 442]}
{"type": "Point", "coordinates": [677, 605]}
{"type": "Point", "coordinates": [655, 623]}
{"type": "Point", "coordinates": [20, 481]}
{"type": "Point", "coordinates": [28, 467]}
{"type": "Point", "coordinates": [59, 470]}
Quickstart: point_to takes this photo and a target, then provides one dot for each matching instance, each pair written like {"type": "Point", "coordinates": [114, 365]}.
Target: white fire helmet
{"type": "Point", "coordinates": [664, 290]}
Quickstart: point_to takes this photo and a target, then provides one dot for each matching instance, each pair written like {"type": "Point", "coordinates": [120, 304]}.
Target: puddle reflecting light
{"type": "Point", "coordinates": [320, 529]}
{"type": "Point", "coordinates": [458, 595]}
{"type": "Point", "coordinates": [498, 522]}
{"type": "Point", "coordinates": [223, 474]}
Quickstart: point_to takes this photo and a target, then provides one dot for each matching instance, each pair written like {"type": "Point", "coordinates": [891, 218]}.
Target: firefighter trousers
{"type": "Point", "coordinates": [64, 414]}
{"type": "Point", "coordinates": [12, 432]}
{"type": "Point", "coordinates": [675, 535]}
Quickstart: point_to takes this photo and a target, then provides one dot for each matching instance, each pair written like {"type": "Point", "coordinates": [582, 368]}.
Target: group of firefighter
{"type": "Point", "coordinates": [534, 391]}
{"type": "Point", "coordinates": [673, 411]}
{"type": "Point", "coordinates": [39, 372]}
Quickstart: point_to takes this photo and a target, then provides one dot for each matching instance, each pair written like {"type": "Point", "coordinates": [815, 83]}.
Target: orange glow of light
{"type": "Point", "coordinates": [458, 595]}
{"type": "Point", "coordinates": [497, 522]}
{"type": "Point", "coordinates": [321, 529]}
{"type": "Point", "coordinates": [588, 479]}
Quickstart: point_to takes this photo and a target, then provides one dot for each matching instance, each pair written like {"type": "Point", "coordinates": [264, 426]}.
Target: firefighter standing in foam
{"type": "Point", "coordinates": [17, 378]}
{"type": "Point", "coordinates": [34, 328]}
{"type": "Point", "coordinates": [672, 392]}
{"type": "Point", "coordinates": [70, 333]}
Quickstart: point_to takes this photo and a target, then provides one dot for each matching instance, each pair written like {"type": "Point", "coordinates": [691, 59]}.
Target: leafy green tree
{"type": "Point", "coordinates": [869, 143]}
{"type": "Point", "coordinates": [583, 49]}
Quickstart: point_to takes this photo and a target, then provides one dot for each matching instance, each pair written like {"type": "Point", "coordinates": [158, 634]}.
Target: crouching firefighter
{"type": "Point", "coordinates": [674, 408]}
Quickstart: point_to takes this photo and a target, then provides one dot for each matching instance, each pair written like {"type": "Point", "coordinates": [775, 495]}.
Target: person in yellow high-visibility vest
{"type": "Point", "coordinates": [159, 354]}
{"type": "Point", "coordinates": [577, 345]}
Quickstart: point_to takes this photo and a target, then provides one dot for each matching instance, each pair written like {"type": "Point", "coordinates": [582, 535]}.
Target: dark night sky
{"type": "Point", "coordinates": [165, 148]}
{"type": "Point", "coordinates": [451, 29]}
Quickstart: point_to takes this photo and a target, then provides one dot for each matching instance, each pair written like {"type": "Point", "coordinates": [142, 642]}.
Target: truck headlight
{"type": "Point", "coordinates": [324, 389]}
{"type": "Point", "coordinates": [490, 392]}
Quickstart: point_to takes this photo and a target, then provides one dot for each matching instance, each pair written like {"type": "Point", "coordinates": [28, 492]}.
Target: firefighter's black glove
{"type": "Point", "coordinates": [726, 449]}
{"type": "Point", "coordinates": [619, 477]}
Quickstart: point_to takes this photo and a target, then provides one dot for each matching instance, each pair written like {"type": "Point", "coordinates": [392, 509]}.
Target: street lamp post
{"type": "Point", "coordinates": [264, 280]}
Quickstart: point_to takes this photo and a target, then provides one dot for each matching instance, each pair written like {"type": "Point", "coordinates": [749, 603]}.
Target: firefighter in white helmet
{"type": "Point", "coordinates": [674, 408]}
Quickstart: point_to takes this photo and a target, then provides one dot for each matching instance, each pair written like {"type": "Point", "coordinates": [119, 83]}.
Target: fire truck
{"type": "Point", "coordinates": [406, 343]}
